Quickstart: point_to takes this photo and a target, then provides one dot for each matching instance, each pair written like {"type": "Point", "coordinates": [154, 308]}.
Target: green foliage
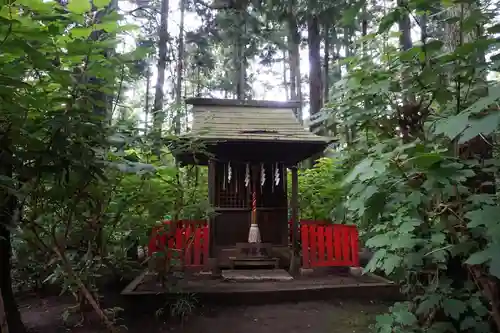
{"type": "Point", "coordinates": [427, 122]}
{"type": "Point", "coordinates": [85, 190]}
{"type": "Point", "coordinates": [320, 190]}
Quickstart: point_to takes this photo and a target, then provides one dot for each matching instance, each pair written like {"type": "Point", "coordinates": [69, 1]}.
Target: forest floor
{"type": "Point", "coordinates": [45, 315]}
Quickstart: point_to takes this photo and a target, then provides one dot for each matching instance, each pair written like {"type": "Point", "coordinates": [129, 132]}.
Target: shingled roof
{"type": "Point", "coordinates": [258, 121]}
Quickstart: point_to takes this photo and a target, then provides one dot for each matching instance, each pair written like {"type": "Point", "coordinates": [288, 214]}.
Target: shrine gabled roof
{"type": "Point", "coordinates": [250, 121]}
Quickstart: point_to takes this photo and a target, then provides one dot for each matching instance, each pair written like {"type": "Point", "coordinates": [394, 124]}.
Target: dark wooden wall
{"type": "Point", "coordinates": [232, 202]}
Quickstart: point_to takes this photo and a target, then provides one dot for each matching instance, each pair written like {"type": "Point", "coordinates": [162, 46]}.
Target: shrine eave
{"type": "Point", "coordinates": [200, 151]}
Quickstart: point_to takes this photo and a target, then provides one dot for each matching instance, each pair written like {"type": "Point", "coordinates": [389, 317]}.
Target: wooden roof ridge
{"type": "Point", "coordinates": [249, 120]}
{"type": "Point", "coordinates": [243, 103]}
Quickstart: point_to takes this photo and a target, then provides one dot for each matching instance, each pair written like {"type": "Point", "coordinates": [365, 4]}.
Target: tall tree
{"type": "Point", "coordinates": [294, 56]}
{"type": "Point", "coordinates": [158, 112]}
{"type": "Point", "coordinates": [314, 44]}
{"type": "Point", "coordinates": [180, 69]}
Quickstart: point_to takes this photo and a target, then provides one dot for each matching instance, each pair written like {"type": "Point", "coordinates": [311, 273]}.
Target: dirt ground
{"type": "Point", "coordinates": [44, 316]}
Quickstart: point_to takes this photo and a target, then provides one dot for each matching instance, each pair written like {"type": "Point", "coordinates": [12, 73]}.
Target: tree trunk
{"type": "Point", "coordinates": [314, 43]}
{"type": "Point", "coordinates": [326, 64]}
{"type": "Point", "coordinates": [158, 113]}
{"type": "Point", "coordinates": [8, 204]}
{"type": "Point", "coordinates": [180, 67]}
{"type": "Point", "coordinates": [315, 77]}
{"type": "Point", "coordinates": [294, 59]}
{"type": "Point", "coordinates": [285, 73]}
{"type": "Point", "coordinates": [349, 131]}
{"type": "Point", "coordinates": [405, 43]}
{"type": "Point", "coordinates": [146, 104]}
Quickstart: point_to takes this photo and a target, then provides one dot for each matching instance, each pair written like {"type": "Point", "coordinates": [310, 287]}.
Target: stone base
{"type": "Point", "coordinates": [356, 271]}
{"type": "Point", "coordinates": [306, 271]}
{"type": "Point", "coordinates": [256, 275]}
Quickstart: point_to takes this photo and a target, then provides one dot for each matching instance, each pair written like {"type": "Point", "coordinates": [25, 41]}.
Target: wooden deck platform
{"type": "Point", "coordinates": [327, 285]}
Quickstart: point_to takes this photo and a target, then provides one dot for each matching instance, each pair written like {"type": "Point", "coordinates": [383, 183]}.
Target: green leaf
{"type": "Point", "coordinates": [101, 3]}
{"type": "Point", "coordinates": [79, 6]}
{"type": "Point", "coordinates": [454, 307]}
{"type": "Point", "coordinates": [485, 102]}
{"type": "Point", "coordinates": [479, 258]}
{"type": "Point", "coordinates": [384, 323]}
{"type": "Point", "coordinates": [428, 304]}
{"type": "Point", "coordinates": [468, 323]}
{"type": "Point", "coordinates": [486, 216]}
{"type": "Point", "coordinates": [390, 263]}
{"type": "Point", "coordinates": [379, 240]}
{"type": "Point", "coordinates": [408, 226]}
{"type": "Point", "coordinates": [485, 125]}
{"type": "Point", "coordinates": [452, 126]}
{"type": "Point", "coordinates": [81, 32]}
{"type": "Point", "coordinates": [362, 167]}
{"type": "Point", "coordinates": [388, 21]}
{"type": "Point", "coordinates": [434, 45]}
{"type": "Point", "coordinates": [405, 317]}
{"type": "Point", "coordinates": [373, 263]}
{"type": "Point", "coordinates": [494, 29]}
{"type": "Point", "coordinates": [495, 265]}
{"type": "Point", "coordinates": [110, 27]}
{"type": "Point", "coordinates": [426, 160]}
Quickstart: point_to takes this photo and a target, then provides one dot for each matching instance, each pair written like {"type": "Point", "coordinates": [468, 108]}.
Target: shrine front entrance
{"type": "Point", "coordinates": [236, 184]}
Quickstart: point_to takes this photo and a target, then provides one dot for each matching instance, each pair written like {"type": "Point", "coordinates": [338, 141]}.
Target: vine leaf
{"type": "Point", "coordinates": [452, 126]}
{"type": "Point", "coordinates": [101, 3]}
{"type": "Point", "coordinates": [79, 6]}
{"type": "Point", "coordinates": [478, 258]}
{"type": "Point", "coordinates": [454, 307]}
{"type": "Point", "coordinates": [485, 125]}
{"type": "Point", "coordinates": [495, 265]}
{"type": "Point", "coordinates": [428, 304]}
{"type": "Point", "coordinates": [391, 262]}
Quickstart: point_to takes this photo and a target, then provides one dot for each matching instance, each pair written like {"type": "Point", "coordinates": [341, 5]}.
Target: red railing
{"type": "Point", "coordinates": [325, 244]}
{"type": "Point", "coordinates": [188, 239]}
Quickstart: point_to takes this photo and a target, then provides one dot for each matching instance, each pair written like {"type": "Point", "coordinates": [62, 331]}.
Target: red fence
{"type": "Point", "coordinates": [329, 245]}
{"type": "Point", "coordinates": [188, 239]}
{"type": "Point", "coordinates": [323, 244]}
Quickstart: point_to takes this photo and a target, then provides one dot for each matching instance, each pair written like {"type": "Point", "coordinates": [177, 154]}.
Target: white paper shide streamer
{"type": "Point", "coordinates": [262, 175]}
{"type": "Point", "coordinates": [277, 175]}
{"type": "Point", "coordinates": [247, 175]}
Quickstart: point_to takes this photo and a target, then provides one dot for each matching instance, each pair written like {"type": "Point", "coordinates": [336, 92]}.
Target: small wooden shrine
{"type": "Point", "coordinates": [248, 147]}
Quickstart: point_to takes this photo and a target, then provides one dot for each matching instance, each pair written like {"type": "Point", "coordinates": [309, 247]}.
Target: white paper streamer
{"type": "Point", "coordinates": [247, 175]}
{"type": "Point", "coordinates": [277, 175]}
{"type": "Point", "coordinates": [262, 175]}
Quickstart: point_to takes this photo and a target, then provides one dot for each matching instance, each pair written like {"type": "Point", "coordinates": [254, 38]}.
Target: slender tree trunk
{"type": "Point", "coordinates": [315, 77]}
{"type": "Point", "coordinates": [405, 43]}
{"type": "Point", "coordinates": [314, 43]}
{"type": "Point", "coordinates": [240, 60]}
{"type": "Point", "coordinates": [4, 327]}
{"type": "Point", "coordinates": [147, 96]}
{"type": "Point", "coordinates": [326, 64]}
{"type": "Point", "coordinates": [180, 67]}
{"type": "Point", "coordinates": [285, 74]}
{"type": "Point", "coordinates": [12, 315]}
{"type": "Point", "coordinates": [8, 204]}
{"type": "Point", "coordinates": [158, 113]}
{"type": "Point", "coordinates": [349, 131]}
{"type": "Point", "coordinates": [294, 58]}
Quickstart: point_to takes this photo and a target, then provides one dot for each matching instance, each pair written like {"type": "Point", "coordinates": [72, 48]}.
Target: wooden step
{"type": "Point", "coordinates": [255, 275]}
{"type": "Point", "coordinates": [253, 262]}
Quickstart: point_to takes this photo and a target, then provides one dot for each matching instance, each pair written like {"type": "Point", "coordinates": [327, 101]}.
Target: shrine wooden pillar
{"type": "Point", "coordinates": [212, 201]}
{"type": "Point", "coordinates": [294, 203]}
